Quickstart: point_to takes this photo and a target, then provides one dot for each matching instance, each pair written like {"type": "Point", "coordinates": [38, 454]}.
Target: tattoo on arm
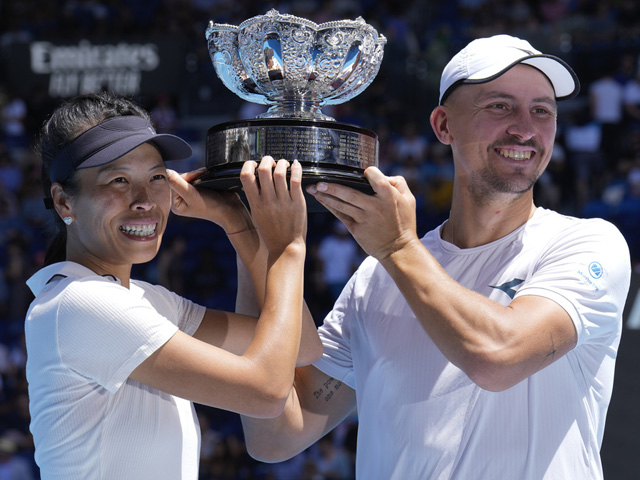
{"type": "Point", "coordinates": [328, 389]}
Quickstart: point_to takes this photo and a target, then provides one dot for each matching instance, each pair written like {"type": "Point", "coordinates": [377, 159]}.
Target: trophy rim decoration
{"type": "Point", "coordinates": [308, 105]}
{"type": "Point", "coordinates": [295, 66]}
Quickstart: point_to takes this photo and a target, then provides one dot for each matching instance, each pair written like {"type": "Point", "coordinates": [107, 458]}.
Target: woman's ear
{"type": "Point", "coordinates": [61, 201]}
{"type": "Point", "coordinates": [440, 124]}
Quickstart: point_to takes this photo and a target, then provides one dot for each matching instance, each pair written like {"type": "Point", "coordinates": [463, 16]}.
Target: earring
{"type": "Point", "coordinates": [67, 220]}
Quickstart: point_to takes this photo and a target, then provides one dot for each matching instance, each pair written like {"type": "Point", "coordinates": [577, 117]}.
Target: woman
{"type": "Point", "coordinates": [114, 364]}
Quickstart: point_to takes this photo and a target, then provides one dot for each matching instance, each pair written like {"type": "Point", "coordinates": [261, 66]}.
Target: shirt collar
{"type": "Point", "coordinates": [39, 280]}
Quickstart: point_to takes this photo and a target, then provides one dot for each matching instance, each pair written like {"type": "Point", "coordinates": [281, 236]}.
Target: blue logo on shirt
{"type": "Point", "coordinates": [595, 270]}
{"type": "Point", "coordinates": [507, 287]}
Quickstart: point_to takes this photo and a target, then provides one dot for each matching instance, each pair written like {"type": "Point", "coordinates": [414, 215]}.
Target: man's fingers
{"type": "Point", "coordinates": [400, 183]}
{"type": "Point", "coordinates": [343, 202]}
{"type": "Point", "coordinates": [378, 181]}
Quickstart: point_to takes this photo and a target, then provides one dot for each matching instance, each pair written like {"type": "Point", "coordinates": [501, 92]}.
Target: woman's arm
{"type": "Point", "coordinates": [257, 382]}
{"type": "Point", "coordinates": [247, 304]}
{"type": "Point", "coordinates": [228, 211]}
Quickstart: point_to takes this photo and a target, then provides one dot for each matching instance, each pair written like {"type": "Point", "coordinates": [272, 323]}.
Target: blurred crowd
{"type": "Point", "coordinates": [595, 168]}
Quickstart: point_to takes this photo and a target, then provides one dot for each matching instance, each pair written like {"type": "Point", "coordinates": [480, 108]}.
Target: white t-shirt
{"type": "Point", "coordinates": [420, 417]}
{"type": "Point", "coordinates": [85, 334]}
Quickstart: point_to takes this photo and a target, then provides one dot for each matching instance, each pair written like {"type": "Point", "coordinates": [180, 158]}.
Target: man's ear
{"type": "Point", "coordinates": [61, 201]}
{"type": "Point", "coordinates": [440, 124]}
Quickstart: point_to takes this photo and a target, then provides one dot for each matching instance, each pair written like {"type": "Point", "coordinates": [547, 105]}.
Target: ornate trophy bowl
{"type": "Point", "coordinates": [296, 67]}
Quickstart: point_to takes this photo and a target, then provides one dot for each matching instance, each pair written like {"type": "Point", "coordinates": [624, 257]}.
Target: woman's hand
{"type": "Point", "coordinates": [279, 212]}
{"type": "Point", "coordinates": [223, 208]}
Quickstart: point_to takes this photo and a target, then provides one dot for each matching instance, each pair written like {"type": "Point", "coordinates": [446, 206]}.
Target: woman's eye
{"type": "Point", "coordinates": [160, 176]}
{"type": "Point", "coordinates": [119, 180]}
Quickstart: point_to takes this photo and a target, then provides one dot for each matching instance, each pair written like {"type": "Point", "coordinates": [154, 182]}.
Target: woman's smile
{"type": "Point", "coordinates": [140, 231]}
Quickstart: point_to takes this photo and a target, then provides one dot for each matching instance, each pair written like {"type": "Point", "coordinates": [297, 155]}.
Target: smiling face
{"type": "Point", "coordinates": [501, 132]}
{"type": "Point", "coordinates": [120, 213]}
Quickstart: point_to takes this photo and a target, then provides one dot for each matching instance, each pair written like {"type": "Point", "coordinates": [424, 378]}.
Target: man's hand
{"type": "Point", "coordinates": [382, 223]}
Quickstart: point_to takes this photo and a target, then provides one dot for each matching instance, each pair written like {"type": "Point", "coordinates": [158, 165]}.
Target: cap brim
{"type": "Point", "coordinates": [562, 77]}
{"type": "Point", "coordinates": [111, 139]}
{"type": "Point", "coordinates": [170, 147]}
{"type": "Point", "coordinates": [564, 80]}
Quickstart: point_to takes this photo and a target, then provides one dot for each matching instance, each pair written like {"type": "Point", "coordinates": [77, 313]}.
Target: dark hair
{"type": "Point", "coordinates": [67, 122]}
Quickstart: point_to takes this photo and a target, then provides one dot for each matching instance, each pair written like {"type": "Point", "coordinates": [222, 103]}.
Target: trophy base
{"type": "Point", "coordinates": [229, 180]}
{"type": "Point", "coordinates": [328, 151]}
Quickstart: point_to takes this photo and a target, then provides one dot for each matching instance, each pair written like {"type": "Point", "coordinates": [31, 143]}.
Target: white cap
{"type": "Point", "coordinates": [485, 59]}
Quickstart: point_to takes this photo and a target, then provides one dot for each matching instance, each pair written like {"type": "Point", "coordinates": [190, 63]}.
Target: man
{"type": "Point", "coordinates": [486, 349]}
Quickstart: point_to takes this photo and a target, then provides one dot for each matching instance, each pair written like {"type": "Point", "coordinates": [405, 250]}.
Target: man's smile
{"type": "Point", "coordinates": [517, 155]}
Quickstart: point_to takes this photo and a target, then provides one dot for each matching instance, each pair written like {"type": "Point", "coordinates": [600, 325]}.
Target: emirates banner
{"type": "Point", "coordinates": [127, 67]}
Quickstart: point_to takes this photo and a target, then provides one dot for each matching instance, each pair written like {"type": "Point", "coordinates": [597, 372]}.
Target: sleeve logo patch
{"type": "Point", "coordinates": [595, 270]}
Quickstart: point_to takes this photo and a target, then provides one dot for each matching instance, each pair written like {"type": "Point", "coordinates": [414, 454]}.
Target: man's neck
{"type": "Point", "coordinates": [472, 225]}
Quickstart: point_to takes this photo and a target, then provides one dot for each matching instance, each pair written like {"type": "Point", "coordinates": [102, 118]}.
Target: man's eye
{"type": "Point", "coordinates": [119, 180]}
{"type": "Point", "coordinates": [159, 176]}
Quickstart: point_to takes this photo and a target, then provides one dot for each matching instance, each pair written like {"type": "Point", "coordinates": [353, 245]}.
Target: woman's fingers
{"type": "Point", "coordinates": [280, 179]}
{"type": "Point", "coordinates": [277, 202]}
{"type": "Point", "coordinates": [265, 175]}
{"type": "Point", "coordinates": [274, 179]}
{"type": "Point", "coordinates": [249, 181]}
{"type": "Point", "coordinates": [295, 182]}
{"type": "Point", "coordinates": [194, 174]}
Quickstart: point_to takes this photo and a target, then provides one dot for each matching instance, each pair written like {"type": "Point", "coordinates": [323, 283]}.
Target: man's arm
{"type": "Point", "coordinates": [317, 404]}
{"type": "Point", "coordinates": [497, 346]}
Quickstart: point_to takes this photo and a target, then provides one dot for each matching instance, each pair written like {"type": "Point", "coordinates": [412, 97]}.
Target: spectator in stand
{"type": "Point", "coordinates": [164, 114]}
{"type": "Point", "coordinates": [585, 157]}
{"type": "Point", "coordinates": [332, 461]}
{"type": "Point", "coordinates": [605, 100]}
{"type": "Point", "coordinates": [411, 143]}
{"type": "Point", "coordinates": [12, 465]}
{"type": "Point", "coordinates": [12, 122]}
{"type": "Point", "coordinates": [631, 98]}
{"type": "Point", "coordinates": [10, 171]}
{"type": "Point", "coordinates": [339, 256]}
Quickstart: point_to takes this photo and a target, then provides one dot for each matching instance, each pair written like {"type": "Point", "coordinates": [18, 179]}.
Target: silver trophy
{"type": "Point", "coordinates": [296, 67]}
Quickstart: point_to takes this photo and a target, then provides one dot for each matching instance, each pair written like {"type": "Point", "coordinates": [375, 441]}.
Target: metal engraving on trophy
{"type": "Point", "coordinates": [296, 67]}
